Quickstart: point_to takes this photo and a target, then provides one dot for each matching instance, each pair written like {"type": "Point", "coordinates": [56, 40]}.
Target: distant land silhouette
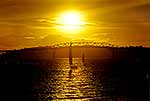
{"type": "Point", "coordinates": [46, 52]}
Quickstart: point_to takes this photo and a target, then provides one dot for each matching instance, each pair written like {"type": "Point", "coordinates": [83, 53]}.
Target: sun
{"type": "Point", "coordinates": [70, 22]}
{"type": "Point", "coordinates": [71, 18]}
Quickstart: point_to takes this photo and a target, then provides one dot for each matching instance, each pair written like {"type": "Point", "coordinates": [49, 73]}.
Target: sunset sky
{"type": "Point", "coordinates": [30, 23]}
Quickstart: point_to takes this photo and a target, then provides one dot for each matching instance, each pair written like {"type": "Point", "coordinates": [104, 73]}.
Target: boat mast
{"type": "Point", "coordinates": [83, 57]}
{"type": "Point", "coordinates": [70, 54]}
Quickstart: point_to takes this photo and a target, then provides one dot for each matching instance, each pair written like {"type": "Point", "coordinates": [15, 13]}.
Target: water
{"type": "Point", "coordinates": [35, 77]}
{"type": "Point", "coordinates": [103, 79]}
{"type": "Point", "coordinates": [90, 81]}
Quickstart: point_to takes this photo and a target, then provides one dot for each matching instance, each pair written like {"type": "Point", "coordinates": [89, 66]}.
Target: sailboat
{"type": "Point", "coordinates": [72, 66]}
{"type": "Point", "coordinates": [83, 58]}
{"type": "Point", "coordinates": [70, 54]}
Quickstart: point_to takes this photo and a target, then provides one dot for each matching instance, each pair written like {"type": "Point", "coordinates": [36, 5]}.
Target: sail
{"type": "Point", "coordinates": [70, 54]}
{"type": "Point", "coordinates": [83, 57]}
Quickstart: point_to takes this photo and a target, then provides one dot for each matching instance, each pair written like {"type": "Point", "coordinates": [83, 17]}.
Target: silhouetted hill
{"type": "Point", "coordinates": [46, 53]}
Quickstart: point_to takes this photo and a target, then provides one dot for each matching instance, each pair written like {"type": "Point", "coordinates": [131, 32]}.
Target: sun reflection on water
{"type": "Point", "coordinates": [77, 86]}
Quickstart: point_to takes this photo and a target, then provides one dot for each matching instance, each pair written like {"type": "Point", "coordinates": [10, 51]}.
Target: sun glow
{"type": "Point", "coordinates": [70, 22]}
{"type": "Point", "coordinates": [70, 19]}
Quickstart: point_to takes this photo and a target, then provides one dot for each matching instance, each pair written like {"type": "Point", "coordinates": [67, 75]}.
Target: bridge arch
{"type": "Point", "coordinates": [84, 43]}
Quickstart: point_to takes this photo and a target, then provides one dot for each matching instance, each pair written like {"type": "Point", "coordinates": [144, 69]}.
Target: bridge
{"type": "Point", "coordinates": [83, 43]}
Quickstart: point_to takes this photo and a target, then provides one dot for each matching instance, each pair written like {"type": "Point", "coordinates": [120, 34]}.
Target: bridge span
{"type": "Point", "coordinates": [83, 43]}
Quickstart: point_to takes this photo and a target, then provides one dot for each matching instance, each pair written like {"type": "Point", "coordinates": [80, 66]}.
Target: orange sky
{"type": "Point", "coordinates": [28, 23]}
